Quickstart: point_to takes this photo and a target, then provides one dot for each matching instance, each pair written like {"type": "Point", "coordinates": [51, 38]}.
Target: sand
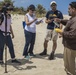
{"type": "Point", "coordinates": [39, 65]}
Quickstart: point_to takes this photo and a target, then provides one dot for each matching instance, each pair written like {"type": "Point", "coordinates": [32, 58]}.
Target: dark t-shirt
{"type": "Point", "coordinates": [50, 15]}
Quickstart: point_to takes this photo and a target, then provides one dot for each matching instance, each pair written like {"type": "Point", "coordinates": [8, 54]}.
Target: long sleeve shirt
{"type": "Point", "coordinates": [69, 34]}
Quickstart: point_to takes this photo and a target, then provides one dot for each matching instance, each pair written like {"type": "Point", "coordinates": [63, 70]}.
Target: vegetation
{"type": "Point", "coordinates": [40, 10]}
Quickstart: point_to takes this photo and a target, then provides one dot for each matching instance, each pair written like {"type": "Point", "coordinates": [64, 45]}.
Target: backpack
{"type": "Point", "coordinates": [24, 24]}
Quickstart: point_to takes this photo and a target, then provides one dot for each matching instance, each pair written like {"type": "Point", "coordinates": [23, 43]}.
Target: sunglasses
{"type": "Point", "coordinates": [32, 9]}
{"type": "Point", "coordinates": [53, 5]}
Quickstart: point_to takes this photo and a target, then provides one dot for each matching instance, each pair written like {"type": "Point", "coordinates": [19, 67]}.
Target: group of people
{"type": "Point", "coordinates": [30, 30]}
{"type": "Point", "coordinates": [52, 16]}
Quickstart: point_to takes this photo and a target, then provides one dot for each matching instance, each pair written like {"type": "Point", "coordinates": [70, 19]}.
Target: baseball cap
{"type": "Point", "coordinates": [32, 7]}
{"type": "Point", "coordinates": [53, 2]}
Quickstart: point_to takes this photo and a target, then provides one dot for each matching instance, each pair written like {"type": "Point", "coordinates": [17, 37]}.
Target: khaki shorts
{"type": "Point", "coordinates": [51, 35]}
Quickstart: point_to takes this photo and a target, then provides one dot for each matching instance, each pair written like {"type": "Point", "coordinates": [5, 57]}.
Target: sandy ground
{"type": "Point", "coordinates": [39, 65]}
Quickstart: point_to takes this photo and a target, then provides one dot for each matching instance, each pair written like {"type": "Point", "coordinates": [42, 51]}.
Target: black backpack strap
{"type": "Point", "coordinates": [1, 18]}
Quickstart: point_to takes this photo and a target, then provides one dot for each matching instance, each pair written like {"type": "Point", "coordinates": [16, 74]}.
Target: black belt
{"type": "Point", "coordinates": [5, 32]}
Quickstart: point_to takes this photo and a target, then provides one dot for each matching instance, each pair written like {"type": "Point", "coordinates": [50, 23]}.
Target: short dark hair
{"type": "Point", "coordinates": [73, 4]}
{"type": "Point", "coordinates": [31, 7]}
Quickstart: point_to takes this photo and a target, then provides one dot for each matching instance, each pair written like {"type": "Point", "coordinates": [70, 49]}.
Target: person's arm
{"type": "Point", "coordinates": [38, 22]}
{"type": "Point", "coordinates": [27, 21]}
{"type": "Point", "coordinates": [48, 20]}
{"type": "Point", "coordinates": [70, 34]}
{"type": "Point", "coordinates": [61, 26]}
{"type": "Point", "coordinates": [63, 21]}
{"type": "Point", "coordinates": [11, 31]}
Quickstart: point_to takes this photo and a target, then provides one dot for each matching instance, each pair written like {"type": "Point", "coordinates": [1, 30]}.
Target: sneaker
{"type": "Point", "coordinates": [51, 57]}
{"type": "Point", "coordinates": [16, 61]}
{"type": "Point", "coordinates": [1, 62]}
{"type": "Point", "coordinates": [32, 54]}
{"type": "Point", "coordinates": [27, 57]}
{"type": "Point", "coordinates": [43, 53]}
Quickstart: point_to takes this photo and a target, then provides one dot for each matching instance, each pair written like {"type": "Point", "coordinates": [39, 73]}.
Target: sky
{"type": "Point", "coordinates": [62, 5]}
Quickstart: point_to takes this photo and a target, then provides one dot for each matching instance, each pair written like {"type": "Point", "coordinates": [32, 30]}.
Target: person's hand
{"type": "Point", "coordinates": [60, 33]}
{"type": "Point", "coordinates": [49, 21]}
{"type": "Point", "coordinates": [60, 36]}
{"type": "Point", "coordinates": [41, 21]}
{"type": "Point", "coordinates": [57, 19]}
{"type": "Point", "coordinates": [58, 30]}
{"type": "Point", "coordinates": [35, 19]}
{"type": "Point", "coordinates": [12, 36]}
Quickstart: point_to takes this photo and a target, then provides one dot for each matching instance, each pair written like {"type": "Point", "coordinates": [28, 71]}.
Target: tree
{"type": "Point", "coordinates": [9, 1]}
{"type": "Point", "coordinates": [40, 9]}
{"type": "Point", "coordinates": [2, 3]}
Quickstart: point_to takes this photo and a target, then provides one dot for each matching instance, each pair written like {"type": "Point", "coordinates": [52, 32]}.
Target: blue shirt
{"type": "Point", "coordinates": [53, 14]}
